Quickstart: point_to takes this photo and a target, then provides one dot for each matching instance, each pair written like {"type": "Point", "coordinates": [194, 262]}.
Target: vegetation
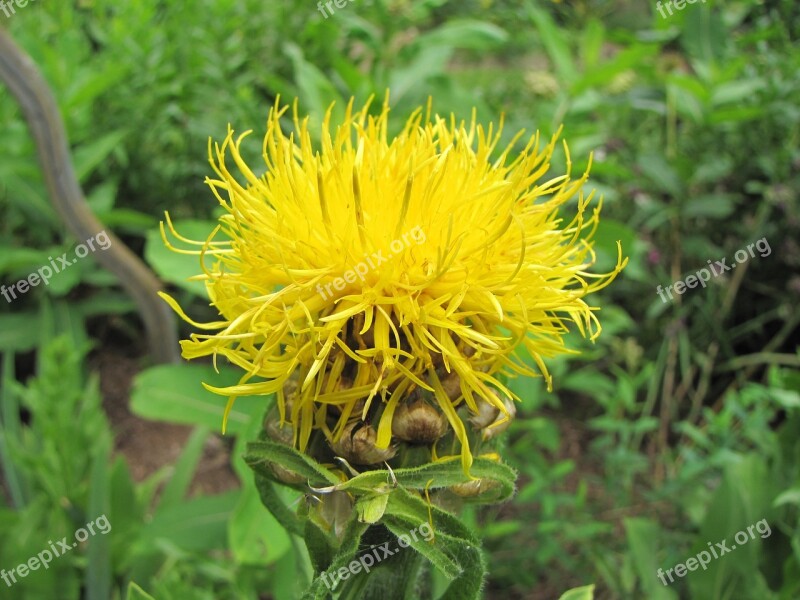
{"type": "Point", "coordinates": [675, 430]}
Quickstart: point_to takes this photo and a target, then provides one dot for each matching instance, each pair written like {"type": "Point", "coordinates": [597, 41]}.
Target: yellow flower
{"type": "Point", "coordinates": [371, 268]}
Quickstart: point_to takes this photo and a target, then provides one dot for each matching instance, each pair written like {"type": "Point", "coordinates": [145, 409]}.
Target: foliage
{"type": "Point", "coordinates": [677, 429]}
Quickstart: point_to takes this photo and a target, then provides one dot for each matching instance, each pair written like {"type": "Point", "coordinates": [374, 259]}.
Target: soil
{"type": "Point", "coordinates": [147, 446]}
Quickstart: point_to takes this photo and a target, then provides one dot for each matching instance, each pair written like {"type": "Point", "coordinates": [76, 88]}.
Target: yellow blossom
{"type": "Point", "coordinates": [370, 268]}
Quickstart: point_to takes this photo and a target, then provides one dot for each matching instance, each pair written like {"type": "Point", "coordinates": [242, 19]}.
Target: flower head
{"type": "Point", "coordinates": [360, 276]}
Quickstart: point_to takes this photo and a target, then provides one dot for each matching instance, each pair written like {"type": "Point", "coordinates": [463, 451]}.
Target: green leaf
{"type": "Point", "coordinates": [736, 91]}
{"type": "Point", "coordinates": [98, 571]}
{"type": "Point", "coordinates": [428, 63]}
{"type": "Point", "coordinates": [88, 156]}
{"type": "Point", "coordinates": [643, 536]}
{"type": "Point", "coordinates": [371, 508]}
{"type": "Point", "coordinates": [178, 268]}
{"type": "Point", "coordinates": [744, 497]}
{"type": "Point", "coordinates": [345, 554]}
{"type": "Point", "coordinates": [319, 548]}
{"type": "Point", "coordinates": [20, 331]}
{"type": "Point", "coordinates": [453, 549]}
{"type": "Point", "coordinates": [316, 91]}
{"type": "Point", "coordinates": [465, 34]}
{"type": "Point", "coordinates": [436, 475]}
{"type": "Point", "coordinates": [582, 593]}
{"type": "Point", "coordinates": [255, 536]}
{"type": "Point", "coordinates": [627, 59]}
{"type": "Point", "coordinates": [183, 470]}
{"type": "Point", "coordinates": [276, 506]}
{"type": "Point", "coordinates": [555, 43]}
{"type": "Point", "coordinates": [174, 393]}
{"type": "Point", "coordinates": [715, 206]}
{"type": "Point", "coordinates": [90, 83]}
{"type": "Point", "coordinates": [260, 454]}
{"type": "Point", "coordinates": [608, 233]}
{"type": "Point", "coordinates": [592, 42]}
{"type": "Point", "coordinates": [704, 36]}
{"type": "Point", "coordinates": [137, 593]}
{"type": "Point", "coordinates": [791, 496]}
{"type": "Point", "coordinates": [10, 428]}
{"type": "Point", "coordinates": [199, 524]}
{"type": "Point", "coordinates": [662, 174]}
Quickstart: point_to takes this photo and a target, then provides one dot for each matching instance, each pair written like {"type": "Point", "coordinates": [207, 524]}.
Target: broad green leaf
{"type": "Point", "coordinates": [704, 36]}
{"type": "Point", "coordinates": [178, 268]}
{"type": "Point", "coordinates": [90, 83]}
{"type": "Point", "coordinates": [174, 393]}
{"type": "Point", "coordinates": [255, 537]}
{"type": "Point", "coordinates": [199, 524]}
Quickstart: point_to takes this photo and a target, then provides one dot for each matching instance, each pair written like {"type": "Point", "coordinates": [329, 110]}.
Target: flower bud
{"type": "Point", "coordinates": [286, 476]}
{"type": "Point", "coordinates": [502, 420]}
{"type": "Point", "coordinates": [418, 423]}
{"type": "Point", "coordinates": [335, 510]}
{"type": "Point", "coordinates": [486, 415]}
{"type": "Point", "coordinates": [283, 434]}
{"type": "Point", "coordinates": [451, 383]}
{"type": "Point", "coordinates": [357, 445]}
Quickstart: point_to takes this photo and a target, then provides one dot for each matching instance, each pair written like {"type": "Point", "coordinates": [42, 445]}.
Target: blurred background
{"type": "Point", "coordinates": [678, 428]}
